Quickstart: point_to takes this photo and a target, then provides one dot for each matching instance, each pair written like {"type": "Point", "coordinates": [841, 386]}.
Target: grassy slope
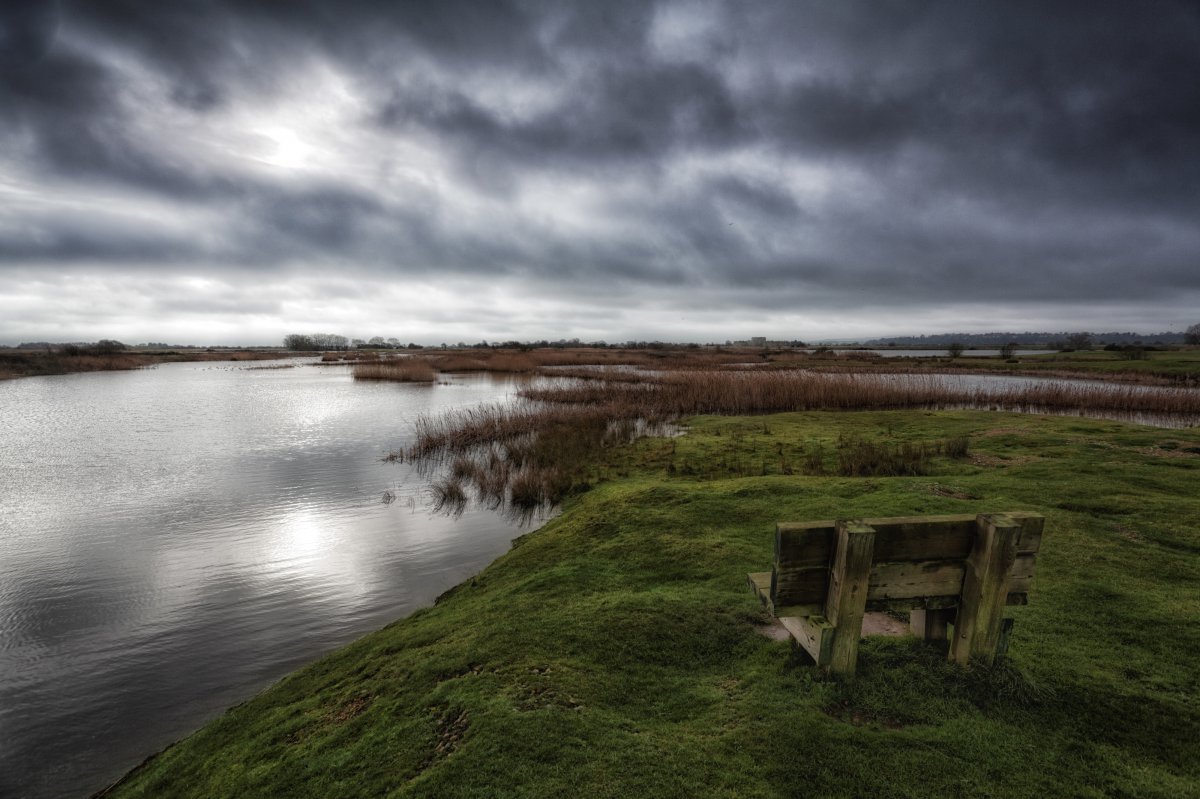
{"type": "Point", "coordinates": [615, 652]}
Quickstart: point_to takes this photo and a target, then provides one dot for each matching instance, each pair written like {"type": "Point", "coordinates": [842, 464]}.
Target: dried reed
{"type": "Point", "coordinates": [404, 370]}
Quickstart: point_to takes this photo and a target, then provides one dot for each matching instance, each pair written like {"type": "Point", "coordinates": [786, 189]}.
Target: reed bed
{"type": "Point", "coordinates": [402, 370]}
{"type": "Point", "coordinates": [537, 451]}
{"type": "Point", "coordinates": [753, 392]}
{"type": "Point", "coordinates": [527, 456]}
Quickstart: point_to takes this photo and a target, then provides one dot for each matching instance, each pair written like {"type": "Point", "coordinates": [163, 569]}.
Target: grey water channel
{"type": "Point", "coordinates": [174, 540]}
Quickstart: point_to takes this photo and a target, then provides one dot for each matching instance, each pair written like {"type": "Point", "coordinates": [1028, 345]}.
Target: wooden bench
{"type": "Point", "coordinates": [959, 570]}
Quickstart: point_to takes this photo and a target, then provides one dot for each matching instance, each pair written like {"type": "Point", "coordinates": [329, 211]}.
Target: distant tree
{"type": "Point", "coordinates": [1008, 350]}
{"type": "Point", "coordinates": [329, 341]}
{"type": "Point", "coordinates": [1192, 334]}
{"type": "Point", "coordinates": [954, 349]}
{"type": "Point", "coordinates": [298, 342]}
{"type": "Point", "coordinates": [376, 341]}
{"type": "Point", "coordinates": [1079, 341]}
{"type": "Point", "coordinates": [107, 346]}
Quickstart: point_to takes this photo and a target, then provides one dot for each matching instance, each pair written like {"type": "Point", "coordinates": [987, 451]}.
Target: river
{"type": "Point", "coordinates": [173, 540]}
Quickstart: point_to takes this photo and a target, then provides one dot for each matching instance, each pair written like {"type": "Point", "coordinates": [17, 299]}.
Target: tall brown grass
{"type": "Point", "coordinates": [751, 392]}
{"type": "Point", "coordinates": [400, 370]}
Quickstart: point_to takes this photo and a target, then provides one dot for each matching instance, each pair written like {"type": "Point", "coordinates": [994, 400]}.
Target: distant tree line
{"type": "Point", "coordinates": [1030, 339]}
{"type": "Point", "coordinates": [105, 346]}
{"type": "Point", "coordinates": [309, 342]}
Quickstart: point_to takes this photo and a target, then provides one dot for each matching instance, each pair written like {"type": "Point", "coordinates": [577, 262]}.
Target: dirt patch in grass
{"type": "Point", "coordinates": [939, 490]}
{"type": "Point", "coordinates": [1170, 449]}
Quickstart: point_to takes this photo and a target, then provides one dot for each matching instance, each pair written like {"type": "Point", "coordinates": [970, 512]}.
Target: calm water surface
{"type": "Point", "coordinates": [174, 540]}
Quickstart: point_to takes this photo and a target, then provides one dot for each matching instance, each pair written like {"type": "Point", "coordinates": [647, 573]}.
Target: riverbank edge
{"type": "Point", "coordinates": [612, 514]}
{"type": "Point", "coordinates": [17, 364]}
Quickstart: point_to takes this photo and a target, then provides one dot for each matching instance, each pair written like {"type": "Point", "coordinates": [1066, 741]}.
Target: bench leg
{"type": "Point", "coordinates": [985, 590]}
{"type": "Point", "coordinates": [847, 598]}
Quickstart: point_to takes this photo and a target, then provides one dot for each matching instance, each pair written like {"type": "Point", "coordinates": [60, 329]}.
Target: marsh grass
{"type": "Point", "coordinates": [857, 457]}
{"type": "Point", "coordinates": [400, 370]}
{"type": "Point", "coordinates": [754, 392]}
{"type": "Point", "coordinates": [545, 447]}
{"type": "Point", "coordinates": [528, 455]}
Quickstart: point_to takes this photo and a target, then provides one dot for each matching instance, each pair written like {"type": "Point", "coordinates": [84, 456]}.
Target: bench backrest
{"type": "Point", "coordinates": [916, 561]}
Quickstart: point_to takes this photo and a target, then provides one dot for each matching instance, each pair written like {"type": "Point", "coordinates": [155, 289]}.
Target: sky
{"type": "Point", "coordinates": [229, 172]}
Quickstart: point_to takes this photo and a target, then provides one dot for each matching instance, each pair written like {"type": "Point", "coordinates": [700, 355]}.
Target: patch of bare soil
{"type": "Point", "coordinates": [939, 490]}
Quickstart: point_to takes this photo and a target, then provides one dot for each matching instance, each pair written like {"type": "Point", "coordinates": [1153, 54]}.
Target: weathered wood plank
{"type": "Point", "coordinates": [800, 587]}
{"type": "Point", "coordinates": [760, 583]}
{"type": "Point", "coordinates": [847, 598]}
{"type": "Point", "coordinates": [890, 581]}
{"type": "Point", "coordinates": [804, 545]}
{"type": "Point", "coordinates": [985, 589]}
{"type": "Point", "coordinates": [908, 538]}
{"type": "Point", "coordinates": [935, 578]}
{"type": "Point", "coordinates": [1032, 528]}
{"type": "Point", "coordinates": [814, 634]}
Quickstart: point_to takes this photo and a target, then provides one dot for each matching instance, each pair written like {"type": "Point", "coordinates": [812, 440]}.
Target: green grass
{"type": "Point", "coordinates": [616, 652]}
{"type": "Point", "coordinates": [1174, 366]}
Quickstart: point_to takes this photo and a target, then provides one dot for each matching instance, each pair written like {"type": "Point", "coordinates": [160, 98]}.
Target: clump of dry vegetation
{"type": "Point", "coordinates": [752, 392]}
{"type": "Point", "coordinates": [528, 455]}
{"type": "Point", "coordinates": [400, 370]}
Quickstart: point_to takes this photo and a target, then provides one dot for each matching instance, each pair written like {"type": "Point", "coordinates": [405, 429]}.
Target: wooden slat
{"type": "Point", "coordinates": [814, 634]}
{"type": "Point", "coordinates": [897, 538]}
{"type": "Point", "coordinates": [847, 599]}
{"type": "Point", "coordinates": [936, 578]}
{"type": "Point", "coordinates": [760, 583]}
{"type": "Point", "coordinates": [1032, 527]}
{"type": "Point", "coordinates": [800, 587]}
{"type": "Point", "coordinates": [915, 538]}
{"type": "Point", "coordinates": [803, 545]}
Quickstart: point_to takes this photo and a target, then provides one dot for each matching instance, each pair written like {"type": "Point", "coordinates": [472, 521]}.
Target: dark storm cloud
{"type": "Point", "coordinates": [792, 154]}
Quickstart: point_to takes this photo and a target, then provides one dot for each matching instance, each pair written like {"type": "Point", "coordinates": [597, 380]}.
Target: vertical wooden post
{"type": "Point", "coordinates": [929, 624]}
{"type": "Point", "coordinates": [846, 600]}
{"type": "Point", "coordinates": [985, 589]}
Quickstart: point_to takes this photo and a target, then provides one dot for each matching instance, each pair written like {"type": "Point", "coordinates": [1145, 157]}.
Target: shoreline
{"type": "Point", "coordinates": [16, 364]}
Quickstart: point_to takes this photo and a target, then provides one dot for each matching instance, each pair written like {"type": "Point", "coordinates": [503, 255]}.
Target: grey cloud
{"type": "Point", "coordinates": [964, 151]}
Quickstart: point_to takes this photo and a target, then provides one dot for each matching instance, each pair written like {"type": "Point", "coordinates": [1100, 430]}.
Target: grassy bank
{"type": "Point", "coordinates": [1165, 367]}
{"type": "Point", "coordinates": [617, 651]}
